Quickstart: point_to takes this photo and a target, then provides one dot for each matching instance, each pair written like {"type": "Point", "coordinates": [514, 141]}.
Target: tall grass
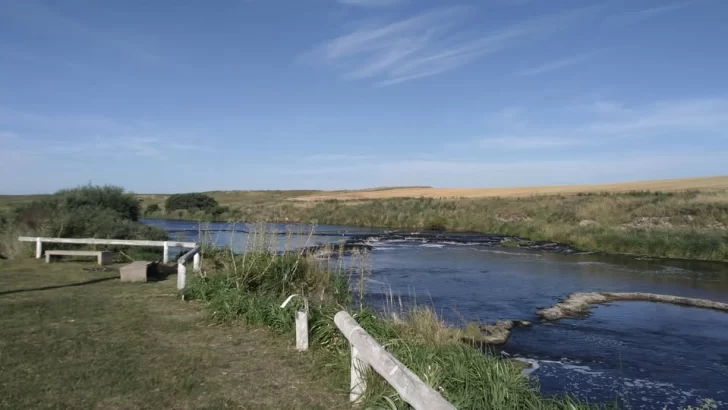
{"type": "Point", "coordinates": [250, 286]}
{"type": "Point", "coordinates": [691, 224]}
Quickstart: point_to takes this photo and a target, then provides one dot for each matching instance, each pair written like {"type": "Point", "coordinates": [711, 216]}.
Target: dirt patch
{"type": "Point", "coordinates": [578, 304]}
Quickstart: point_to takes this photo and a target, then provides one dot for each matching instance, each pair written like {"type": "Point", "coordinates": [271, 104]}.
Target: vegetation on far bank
{"type": "Point", "coordinates": [690, 225]}
{"type": "Point", "coordinates": [685, 224]}
{"type": "Point", "coordinates": [676, 224]}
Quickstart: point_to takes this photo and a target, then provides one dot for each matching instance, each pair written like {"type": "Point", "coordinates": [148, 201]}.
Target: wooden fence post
{"type": "Point", "coordinates": [165, 257]}
{"type": "Point", "coordinates": [38, 248]}
{"type": "Point", "coordinates": [301, 331]}
{"type": "Point", "coordinates": [196, 263]}
{"type": "Point", "coordinates": [181, 276]}
{"type": "Point", "coordinates": [358, 373]}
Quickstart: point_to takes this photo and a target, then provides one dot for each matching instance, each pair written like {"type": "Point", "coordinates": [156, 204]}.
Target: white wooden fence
{"type": "Point", "coordinates": [93, 241]}
{"type": "Point", "coordinates": [367, 353]}
{"type": "Point", "coordinates": [181, 269]}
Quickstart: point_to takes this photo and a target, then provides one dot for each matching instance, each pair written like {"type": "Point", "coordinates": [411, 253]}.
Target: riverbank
{"type": "Point", "coordinates": [77, 338]}
{"type": "Point", "coordinates": [684, 225]}
{"type": "Point", "coordinates": [251, 285]}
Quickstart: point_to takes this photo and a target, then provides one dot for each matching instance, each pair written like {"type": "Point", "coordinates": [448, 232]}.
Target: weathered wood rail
{"type": "Point", "coordinates": [366, 352]}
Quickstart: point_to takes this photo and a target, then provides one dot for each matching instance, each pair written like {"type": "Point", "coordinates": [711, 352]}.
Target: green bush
{"type": "Point", "coordinates": [87, 211]}
{"type": "Point", "coordinates": [191, 202]}
{"type": "Point", "coordinates": [152, 208]}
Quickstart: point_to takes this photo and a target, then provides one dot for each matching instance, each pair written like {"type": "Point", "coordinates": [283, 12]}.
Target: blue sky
{"type": "Point", "coordinates": [171, 96]}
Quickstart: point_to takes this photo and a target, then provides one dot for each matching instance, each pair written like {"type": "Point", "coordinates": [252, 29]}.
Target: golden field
{"type": "Point", "coordinates": [665, 185]}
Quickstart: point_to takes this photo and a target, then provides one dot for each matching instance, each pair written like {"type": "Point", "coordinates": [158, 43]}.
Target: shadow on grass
{"type": "Point", "coordinates": [160, 272]}
{"type": "Point", "coordinates": [70, 285]}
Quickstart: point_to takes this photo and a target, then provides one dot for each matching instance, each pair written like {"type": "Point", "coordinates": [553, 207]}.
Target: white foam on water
{"type": "Point", "coordinates": [496, 252]}
{"type": "Point", "coordinates": [460, 243]}
{"type": "Point", "coordinates": [638, 393]}
{"type": "Point", "coordinates": [432, 245]}
{"type": "Point", "coordinates": [385, 248]}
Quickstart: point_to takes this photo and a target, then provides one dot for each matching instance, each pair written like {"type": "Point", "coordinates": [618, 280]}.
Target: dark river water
{"type": "Point", "coordinates": [640, 354]}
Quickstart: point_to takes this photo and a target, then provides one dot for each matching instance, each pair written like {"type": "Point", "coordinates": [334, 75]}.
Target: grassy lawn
{"type": "Point", "coordinates": [73, 338]}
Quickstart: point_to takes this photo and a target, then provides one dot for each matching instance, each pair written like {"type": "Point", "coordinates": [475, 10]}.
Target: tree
{"type": "Point", "coordinates": [87, 211]}
{"type": "Point", "coordinates": [151, 208]}
{"type": "Point", "coordinates": [191, 202]}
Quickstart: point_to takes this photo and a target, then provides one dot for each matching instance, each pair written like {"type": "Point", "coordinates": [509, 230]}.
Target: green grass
{"type": "Point", "coordinates": [77, 339]}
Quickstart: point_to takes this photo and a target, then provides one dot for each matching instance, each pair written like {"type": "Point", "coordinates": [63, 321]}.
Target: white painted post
{"type": "Point", "coordinates": [181, 276]}
{"type": "Point", "coordinates": [38, 248]}
{"type": "Point", "coordinates": [301, 331]}
{"type": "Point", "coordinates": [358, 372]}
{"type": "Point", "coordinates": [165, 257]}
{"type": "Point", "coordinates": [196, 263]}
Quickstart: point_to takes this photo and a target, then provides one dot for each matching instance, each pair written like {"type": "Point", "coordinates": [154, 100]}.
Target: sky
{"type": "Point", "coordinates": [182, 96]}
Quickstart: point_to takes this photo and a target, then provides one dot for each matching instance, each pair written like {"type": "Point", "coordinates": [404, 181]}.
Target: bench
{"type": "Point", "coordinates": [103, 257]}
{"type": "Point", "coordinates": [136, 271]}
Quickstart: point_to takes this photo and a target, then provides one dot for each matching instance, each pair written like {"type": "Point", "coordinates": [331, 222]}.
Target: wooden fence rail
{"type": "Point", "coordinates": [366, 352]}
{"type": "Point", "coordinates": [93, 241]}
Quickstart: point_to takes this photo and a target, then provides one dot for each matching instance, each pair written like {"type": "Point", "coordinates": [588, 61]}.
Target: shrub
{"type": "Point", "coordinates": [152, 208]}
{"type": "Point", "coordinates": [191, 202]}
{"type": "Point", "coordinates": [87, 211]}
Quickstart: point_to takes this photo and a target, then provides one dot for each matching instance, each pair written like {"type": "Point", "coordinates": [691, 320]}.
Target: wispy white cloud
{"type": "Point", "coordinates": [371, 3]}
{"type": "Point", "coordinates": [46, 134]}
{"type": "Point", "coordinates": [558, 64]}
{"type": "Point", "coordinates": [606, 122]}
{"type": "Point", "coordinates": [427, 44]}
{"type": "Point", "coordinates": [637, 16]}
{"type": "Point", "coordinates": [50, 20]}
{"type": "Point", "coordinates": [451, 172]}
{"type": "Point", "coordinates": [338, 158]}
{"type": "Point", "coordinates": [7, 135]}
{"type": "Point", "coordinates": [518, 142]}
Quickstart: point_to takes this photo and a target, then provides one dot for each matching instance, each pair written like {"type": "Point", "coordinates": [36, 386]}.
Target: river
{"type": "Point", "coordinates": [640, 354]}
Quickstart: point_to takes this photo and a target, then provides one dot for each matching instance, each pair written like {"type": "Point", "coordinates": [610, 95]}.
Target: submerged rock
{"type": "Point", "coordinates": [492, 334]}
{"type": "Point", "coordinates": [578, 303]}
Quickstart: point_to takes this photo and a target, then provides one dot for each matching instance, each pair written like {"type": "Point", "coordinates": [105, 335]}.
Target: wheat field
{"type": "Point", "coordinates": [704, 184]}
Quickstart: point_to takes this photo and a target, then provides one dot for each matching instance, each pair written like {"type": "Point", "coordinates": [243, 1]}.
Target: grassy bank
{"type": "Point", "coordinates": [251, 286]}
{"type": "Point", "coordinates": [79, 339]}
{"type": "Point", "coordinates": [691, 225]}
